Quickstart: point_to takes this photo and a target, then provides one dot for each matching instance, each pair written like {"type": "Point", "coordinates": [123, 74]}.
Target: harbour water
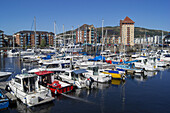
{"type": "Point", "coordinates": [136, 95]}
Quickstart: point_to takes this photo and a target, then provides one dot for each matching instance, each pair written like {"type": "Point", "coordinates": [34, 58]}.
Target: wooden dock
{"type": "Point", "coordinates": [9, 95]}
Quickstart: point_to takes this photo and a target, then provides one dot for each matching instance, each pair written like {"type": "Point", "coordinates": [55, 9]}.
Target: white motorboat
{"type": "Point", "coordinates": [26, 88]}
{"type": "Point", "coordinates": [72, 48]}
{"type": "Point", "coordinates": [165, 57]}
{"type": "Point", "coordinates": [144, 64]}
{"type": "Point", "coordinates": [153, 59]}
{"type": "Point", "coordinates": [76, 77]}
{"type": "Point", "coordinates": [56, 66]}
{"type": "Point", "coordinates": [4, 75]}
{"type": "Point", "coordinates": [12, 53]}
{"type": "Point", "coordinates": [96, 75]}
{"type": "Point", "coordinates": [27, 52]}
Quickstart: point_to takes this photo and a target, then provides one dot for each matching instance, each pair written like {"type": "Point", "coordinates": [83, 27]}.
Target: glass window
{"type": "Point", "coordinates": [66, 73]}
{"type": "Point", "coordinates": [18, 80]}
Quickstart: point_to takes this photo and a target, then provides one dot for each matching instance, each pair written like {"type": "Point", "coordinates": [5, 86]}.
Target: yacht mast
{"type": "Point", "coordinates": [72, 36]}
{"type": "Point", "coordinates": [64, 39]}
{"type": "Point", "coordinates": [124, 42]}
{"type": "Point", "coordinates": [106, 38]}
{"type": "Point", "coordinates": [35, 38]}
{"type": "Point", "coordinates": [55, 36]}
{"type": "Point", "coordinates": [86, 39]}
{"type": "Point", "coordinates": [162, 40]}
{"type": "Point", "coordinates": [13, 43]}
{"type": "Point", "coordinates": [102, 38]}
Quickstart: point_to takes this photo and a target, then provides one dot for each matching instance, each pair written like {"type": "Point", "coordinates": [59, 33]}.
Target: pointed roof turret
{"type": "Point", "coordinates": [128, 20]}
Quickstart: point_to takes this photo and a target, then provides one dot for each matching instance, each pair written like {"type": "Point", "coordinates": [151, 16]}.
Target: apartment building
{"type": "Point", "coordinates": [27, 38]}
{"type": "Point", "coordinates": [85, 33]}
{"type": "Point", "coordinates": [1, 38]}
{"type": "Point", "coordinates": [127, 31]}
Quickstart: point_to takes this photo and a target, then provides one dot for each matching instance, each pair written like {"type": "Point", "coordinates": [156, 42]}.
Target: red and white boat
{"type": "Point", "coordinates": [46, 78]}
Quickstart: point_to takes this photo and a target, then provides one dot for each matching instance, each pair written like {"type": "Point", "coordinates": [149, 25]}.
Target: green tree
{"type": "Point", "coordinates": [43, 43]}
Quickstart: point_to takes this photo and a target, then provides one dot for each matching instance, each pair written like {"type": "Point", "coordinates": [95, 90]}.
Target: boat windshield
{"type": "Point", "coordinates": [167, 55]}
{"type": "Point", "coordinates": [53, 66]}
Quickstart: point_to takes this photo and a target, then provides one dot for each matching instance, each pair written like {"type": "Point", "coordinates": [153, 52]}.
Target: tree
{"type": "Point", "coordinates": [43, 43]}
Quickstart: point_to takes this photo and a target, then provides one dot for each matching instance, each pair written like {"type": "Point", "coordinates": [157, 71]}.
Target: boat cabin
{"type": "Point", "coordinates": [95, 69]}
{"type": "Point", "coordinates": [45, 77]}
{"type": "Point", "coordinates": [26, 82]}
{"type": "Point", "coordinates": [75, 75]}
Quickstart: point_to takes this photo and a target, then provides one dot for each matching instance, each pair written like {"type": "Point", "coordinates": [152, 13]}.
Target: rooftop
{"type": "Point", "coordinates": [1, 31]}
{"type": "Point", "coordinates": [27, 31]}
{"type": "Point", "coordinates": [127, 20]}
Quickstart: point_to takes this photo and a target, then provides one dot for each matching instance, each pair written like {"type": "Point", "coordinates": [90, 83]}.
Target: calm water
{"type": "Point", "coordinates": [135, 95]}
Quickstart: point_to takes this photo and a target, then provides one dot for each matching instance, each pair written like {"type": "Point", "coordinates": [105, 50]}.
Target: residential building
{"type": "Point", "coordinates": [85, 33]}
{"type": "Point", "coordinates": [27, 38]}
{"type": "Point", "coordinates": [167, 39]}
{"type": "Point", "coordinates": [1, 38]}
{"type": "Point", "coordinates": [8, 40]}
{"type": "Point", "coordinates": [127, 31]}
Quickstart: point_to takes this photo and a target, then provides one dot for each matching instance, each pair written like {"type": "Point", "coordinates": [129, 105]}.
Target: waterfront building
{"type": "Point", "coordinates": [85, 33]}
{"type": "Point", "coordinates": [127, 31]}
{"type": "Point", "coordinates": [1, 38]}
{"type": "Point", "coordinates": [27, 38]}
{"type": "Point", "coordinates": [167, 39]}
{"type": "Point", "coordinates": [8, 40]}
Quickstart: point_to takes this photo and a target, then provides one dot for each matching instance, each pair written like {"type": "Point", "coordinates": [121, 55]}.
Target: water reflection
{"type": "Point", "coordinates": [44, 108]}
{"type": "Point", "coordinates": [150, 73]}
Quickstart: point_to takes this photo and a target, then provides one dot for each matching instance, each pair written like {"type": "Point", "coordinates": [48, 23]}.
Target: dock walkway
{"type": "Point", "coordinates": [9, 95]}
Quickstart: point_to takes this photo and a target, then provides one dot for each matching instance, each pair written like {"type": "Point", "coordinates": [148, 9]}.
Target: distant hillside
{"type": "Point", "coordinates": [139, 32]}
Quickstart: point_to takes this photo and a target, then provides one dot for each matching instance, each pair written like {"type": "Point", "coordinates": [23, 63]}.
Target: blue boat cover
{"type": "Point", "coordinates": [98, 58]}
{"type": "Point", "coordinates": [120, 69]}
{"type": "Point", "coordinates": [111, 71]}
{"type": "Point", "coordinates": [130, 61]}
{"type": "Point", "coordinates": [47, 58]}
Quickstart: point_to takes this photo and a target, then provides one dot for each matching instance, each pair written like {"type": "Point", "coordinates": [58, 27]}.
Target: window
{"type": "Point", "coordinates": [66, 73]}
{"type": "Point", "coordinates": [18, 80]}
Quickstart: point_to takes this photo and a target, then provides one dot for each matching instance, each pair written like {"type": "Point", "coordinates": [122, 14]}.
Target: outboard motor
{"type": "Point", "coordinates": [89, 83]}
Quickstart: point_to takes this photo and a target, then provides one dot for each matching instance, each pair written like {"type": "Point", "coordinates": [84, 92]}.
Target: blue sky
{"type": "Point", "coordinates": [17, 15]}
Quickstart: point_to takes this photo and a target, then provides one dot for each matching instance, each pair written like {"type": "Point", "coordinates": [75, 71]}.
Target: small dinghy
{"type": "Point", "coordinates": [4, 101]}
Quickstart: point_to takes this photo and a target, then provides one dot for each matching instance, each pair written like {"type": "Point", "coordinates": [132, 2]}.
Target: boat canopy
{"type": "Point", "coordinates": [98, 58]}
{"type": "Point", "coordinates": [80, 71]}
{"type": "Point", "coordinates": [130, 61]}
{"type": "Point", "coordinates": [44, 72]}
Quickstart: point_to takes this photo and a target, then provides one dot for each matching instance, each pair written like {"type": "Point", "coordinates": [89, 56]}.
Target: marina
{"type": "Point", "coordinates": [118, 95]}
{"type": "Point", "coordinates": [84, 56]}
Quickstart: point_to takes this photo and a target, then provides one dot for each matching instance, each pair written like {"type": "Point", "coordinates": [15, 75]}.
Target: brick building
{"type": "Point", "coordinates": [27, 38]}
{"type": "Point", "coordinates": [85, 32]}
{"type": "Point", "coordinates": [1, 38]}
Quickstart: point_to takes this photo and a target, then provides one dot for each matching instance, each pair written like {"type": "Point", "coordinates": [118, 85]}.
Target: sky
{"type": "Point", "coordinates": [18, 15]}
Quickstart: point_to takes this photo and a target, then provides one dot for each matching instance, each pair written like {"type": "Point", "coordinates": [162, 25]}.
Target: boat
{"type": "Point", "coordinates": [27, 52]}
{"type": "Point", "coordinates": [12, 53]}
{"type": "Point", "coordinates": [142, 62]}
{"type": "Point", "coordinates": [129, 68]}
{"type": "Point", "coordinates": [77, 78]}
{"type": "Point", "coordinates": [55, 66]}
{"type": "Point", "coordinates": [158, 62]}
{"type": "Point", "coordinates": [4, 75]}
{"type": "Point", "coordinates": [96, 75]}
{"type": "Point", "coordinates": [4, 101]}
{"type": "Point", "coordinates": [114, 74]}
{"type": "Point", "coordinates": [27, 89]}
{"type": "Point", "coordinates": [71, 48]}
{"type": "Point", "coordinates": [56, 86]}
